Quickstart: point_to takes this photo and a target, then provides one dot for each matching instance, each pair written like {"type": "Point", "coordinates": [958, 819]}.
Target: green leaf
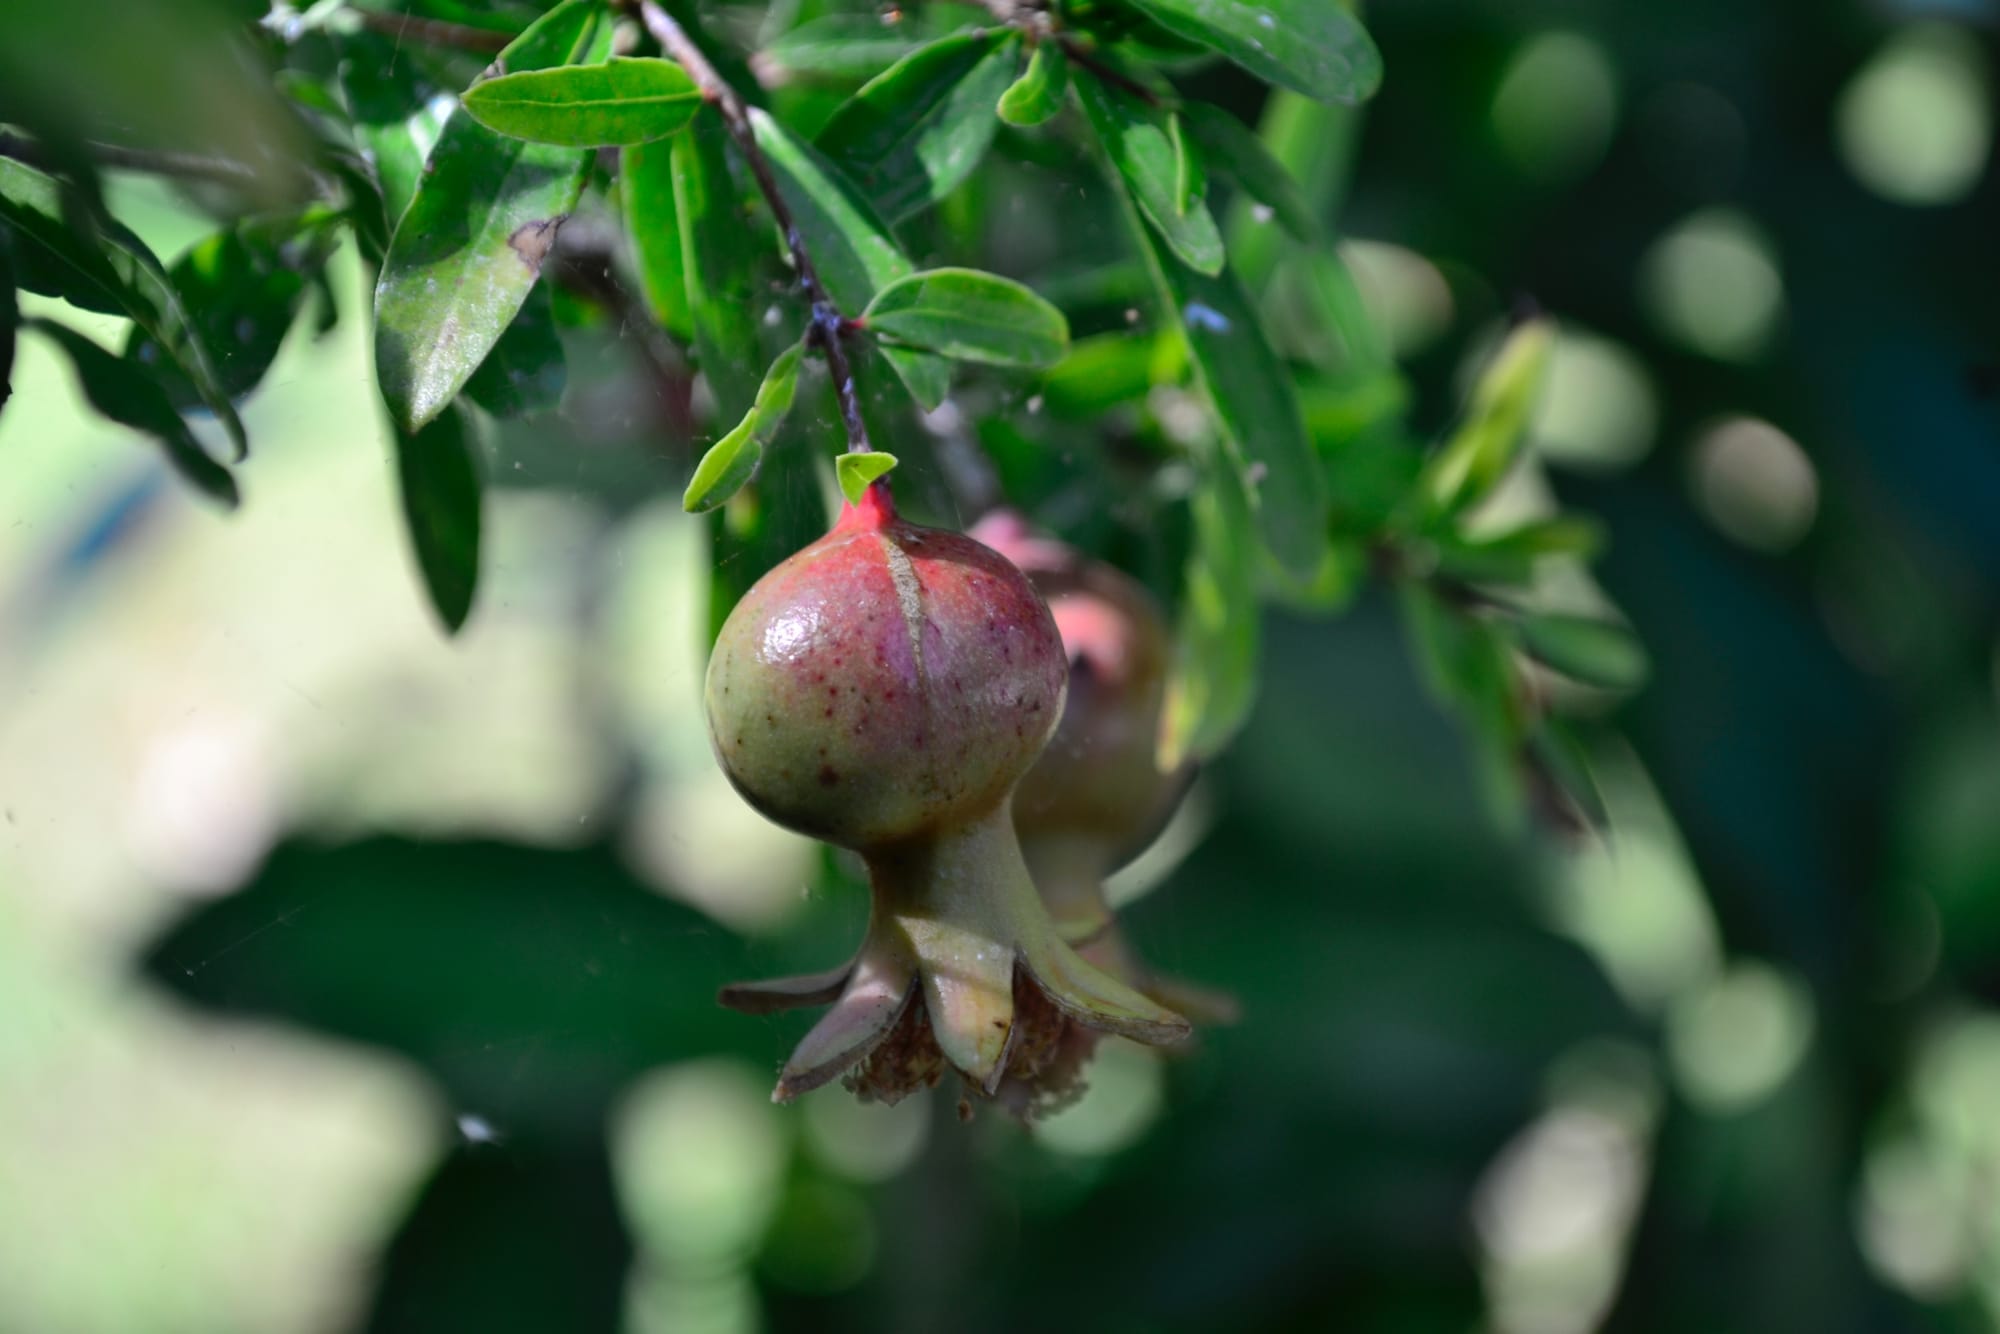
{"type": "Point", "coordinates": [1139, 142]}
{"type": "Point", "coordinates": [472, 242]}
{"type": "Point", "coordinates": [63, 249]}
{"type": "Point", "coordinates": [972, 316]}
{"type": "Point", "coordinates": [1216, 632]}
{"type": "Point", "coordinates": [1512, 557]}
{"type": "Point", "coordinates": [1239, 154]}
{"type": "Point", "coordinates": [10, 320]}
{"type": "Point", "coordinates": [1586, 648]}
{"type": "Point", "coordinates": [623, 101]}
{"type": "Point", "coordinates": [1315, 47]}
{"type": "Point", "coordinates": [719, 254]}
{"type": "Point", "coordinates": [850, 245]}
{"type": "Point", "coordinates": [917, 130]}
{"type": "Point", "coordinates": [652, 221]}
{"type": "Point", "coordinates": [526, 371]}
{"type": "Point", "coordinates": [135, 396]}
{"type": "Point", "coordinates": [1251, 392]}
{"type": "Point", "coordinates": [927, 375]}
{"type": "Point", "coordinates": [1487, 442]}
{"type": "Point", "coordinates": [1037, 95]}
{"type": "Point", "coordinates": [242, 287]}
{"type": "Point", "coordinates": [1098, 374]}
{"type": "Point", "coordinates": [839, 46]}
{"type": "Point", "coordinates": [1467, 665]}
{"type": "Point", "coordinates": [857, 472]}
{"type": "Point", "coordinates": [731, 461]}
{"type": "Point", "coordinates": [1190, 181]}
{"type": "Point", "coordinates": [440, 489]}
{"type": "Point", "coordinates": [398, 113]}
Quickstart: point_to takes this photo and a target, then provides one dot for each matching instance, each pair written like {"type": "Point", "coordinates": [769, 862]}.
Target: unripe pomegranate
{"type": "Point", "coordinates": [1097, 796]}
{"type": "Point", "coordinates": [884, 689]}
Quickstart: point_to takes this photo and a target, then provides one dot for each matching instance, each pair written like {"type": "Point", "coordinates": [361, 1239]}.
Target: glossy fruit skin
{"type": "Point", "coordinates": [885, 682]}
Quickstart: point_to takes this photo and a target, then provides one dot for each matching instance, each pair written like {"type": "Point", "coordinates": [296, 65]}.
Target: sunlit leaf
{"type": "Point", "coordinates": [1479, 453]}
{"type": "Point", "coordinates": [1037, 95]}
{"type": "Point", "coordinates": [473, 240]}
{"type": "Point", "coordinates": [440, 488]}
{"type": "Point", "coordinates": [1315, 47]}
{"type": "Point", "coordinates": [857, 472]}
{"type": "Point", "coordinates": [62, 249]}
{"type": "Point", "coordinates": [972, 316]}
{"type": "Point", "coordinates": [623, 101]}
{"type": "Point", "coordinates": [917, 130]}
{"type": "Point", "coordinates": [1140, 144]}
{"type": "Point", "coordinates": [652, 222]}
{"type": "Point", "coordinates": [731, 461]}
{"type": "Point", "coordinates": [135, 396]}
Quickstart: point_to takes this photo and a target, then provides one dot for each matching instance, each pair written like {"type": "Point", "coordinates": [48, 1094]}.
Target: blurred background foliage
{"type": "Point", "coordinates": [353, 977]}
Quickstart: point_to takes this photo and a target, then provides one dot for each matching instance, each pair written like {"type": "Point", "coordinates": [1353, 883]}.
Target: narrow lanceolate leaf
{"type": "Point", "coordinates": [850, 244]}
{"type": "Point", "coordinates": [526, 371]}
{"type": "Point", "coordinates": [972, 316]}
{"type": "Point", "coordinates": [1214, 681]}
{"type": "Point", "coordinates": [472, 242]}
{"type": "Point", "coordinates": [243, 287]}
{"type": "Point", "coordinates": [857, 472]}
{"type": "Point", "coordinates": [1487, 442]}
{"type": "Point", "coordinates": [1315, 47]}
{"type": "Point", "coordinates": [440, 487]}
{"type": "Point", "coordinates": [1252, 395]}
{"type": "Point", "coordinates": [1037, 95]}
{"type": "Point", "coordinates": [917, 130]}
{"type": "Point", "coordinates": [652, 221]}
{"type": "Point", "coordinates": [732, 460]}
{"type": "Point", "coordinates": [61, 249]}
{"type": "Point", "coordinates": [1139, 143]}
{"type": "Point", "coordinates": [719, 254]}
{"type": "Point", "coordinates": [1586, 648]}
{"type": "Point", "coordinates": [135, 396]}
{"type": "Point", "coordinates": [1190, 180]}
{"type": "Point", "coordinates": [1230, 146]}
{"type": "Point", "coordinates": [623, 101]}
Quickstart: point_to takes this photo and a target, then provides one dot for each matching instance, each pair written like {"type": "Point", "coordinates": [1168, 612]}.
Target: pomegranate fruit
{"type": "Point", "coordinates": [1097, 796]}
{"type": "Point", "coordinates": [884, 689]}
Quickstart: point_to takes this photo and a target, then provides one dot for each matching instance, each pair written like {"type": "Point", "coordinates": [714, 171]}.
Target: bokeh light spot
{"type": "Point", "coordinates": [1712, 284]}
{"type": "Point", "coordinates": [1556, 106]}
{"type": "Point", "coordinates": [1916, 124]}
{"type": "Point", "coordinates": [1755, 483]}
{"type": "Point", "coordinates": [1734, 1041]}
{"type": "Point", "coordinates": [1598, 410]}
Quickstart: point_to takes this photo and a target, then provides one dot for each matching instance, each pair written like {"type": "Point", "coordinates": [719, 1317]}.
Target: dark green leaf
{"type": "Point", "coordinates": [1241, 155]}
{"type": "Point", "coordinates": [134, 396]}
{"type": "Point", "coordinates": [1487, 442]}
{"type": "Point", "coordinates": [1251, 392]}
{"type": "Point", "coordinates": [399, 111]}
{"type": "Point", "coordinates": [857, 472]}
{"type": "Point", "coordinates": [732, 460]}
{"type": "Point", "coordinates": [623, 101]}
{"type": "Point", "coordinates": [1589, 649]}
{"type": "Point", "coordinates": [917, 130]}
{"type": "Point", "coordinates": [720, 250]}
{"type": "Point", "coordinates": [652, 221]}
{"type": "Point", "coordinates": [243, 287]}
{"type": "Point", "coordinates": [1037, 95]}
{"type": "Point", "coordinates": [839, 46]}
{"type": "Point", "coordinates": [1315, 47]}
{"type": "Point", "coordinates": [472, 241]}
{"type": "Point", "coordinates": [972, 316]}
{"type": "Point", "coordinates": [440, 488]}
{"type": "Point", "coordinates": [927, 375]}
{"type": "Point", "coordinates": [1139, 142]}
{"type": "Point", "coordinates": [62, 249]}
{"type": "Point", "coordinates": [1216, 633]}
{"type": "Point", "coordinates": [850, 245]}
{"type": "Point", "coordinates": [525, 372]}
{"type": "Point", "coordinates": [1466, 662]}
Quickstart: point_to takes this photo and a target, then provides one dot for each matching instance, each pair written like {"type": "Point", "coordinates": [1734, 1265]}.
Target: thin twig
{"type": "Point", "coordinates": [827, 321]}
{"type": "Point", "coordinates": [435, 32]}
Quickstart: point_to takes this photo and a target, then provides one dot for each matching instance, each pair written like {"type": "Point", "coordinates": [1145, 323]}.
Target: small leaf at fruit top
{"type": "Point", "coordinates": [972, 316]}
{"type": "Point", "coordinates": [1315, 47]}
{"type": "Point", "coordinates": [731, 461]}
{"type": "Point", "coordinates": [623, 101]}
{"type": "Point", "coordinates": [857, 472]}
{"type": "Point", "coordinates": [1037, 95]}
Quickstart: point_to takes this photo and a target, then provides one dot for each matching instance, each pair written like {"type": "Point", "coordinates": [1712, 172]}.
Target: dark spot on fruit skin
{"type": "Point", "coordinates": [827, 777]}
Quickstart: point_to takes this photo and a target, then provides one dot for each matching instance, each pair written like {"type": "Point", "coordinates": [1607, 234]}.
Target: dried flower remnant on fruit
{"type": "Point", "coordinates": [884, 689]}
{"type": "Point", "coordinates": [1097, 796]}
